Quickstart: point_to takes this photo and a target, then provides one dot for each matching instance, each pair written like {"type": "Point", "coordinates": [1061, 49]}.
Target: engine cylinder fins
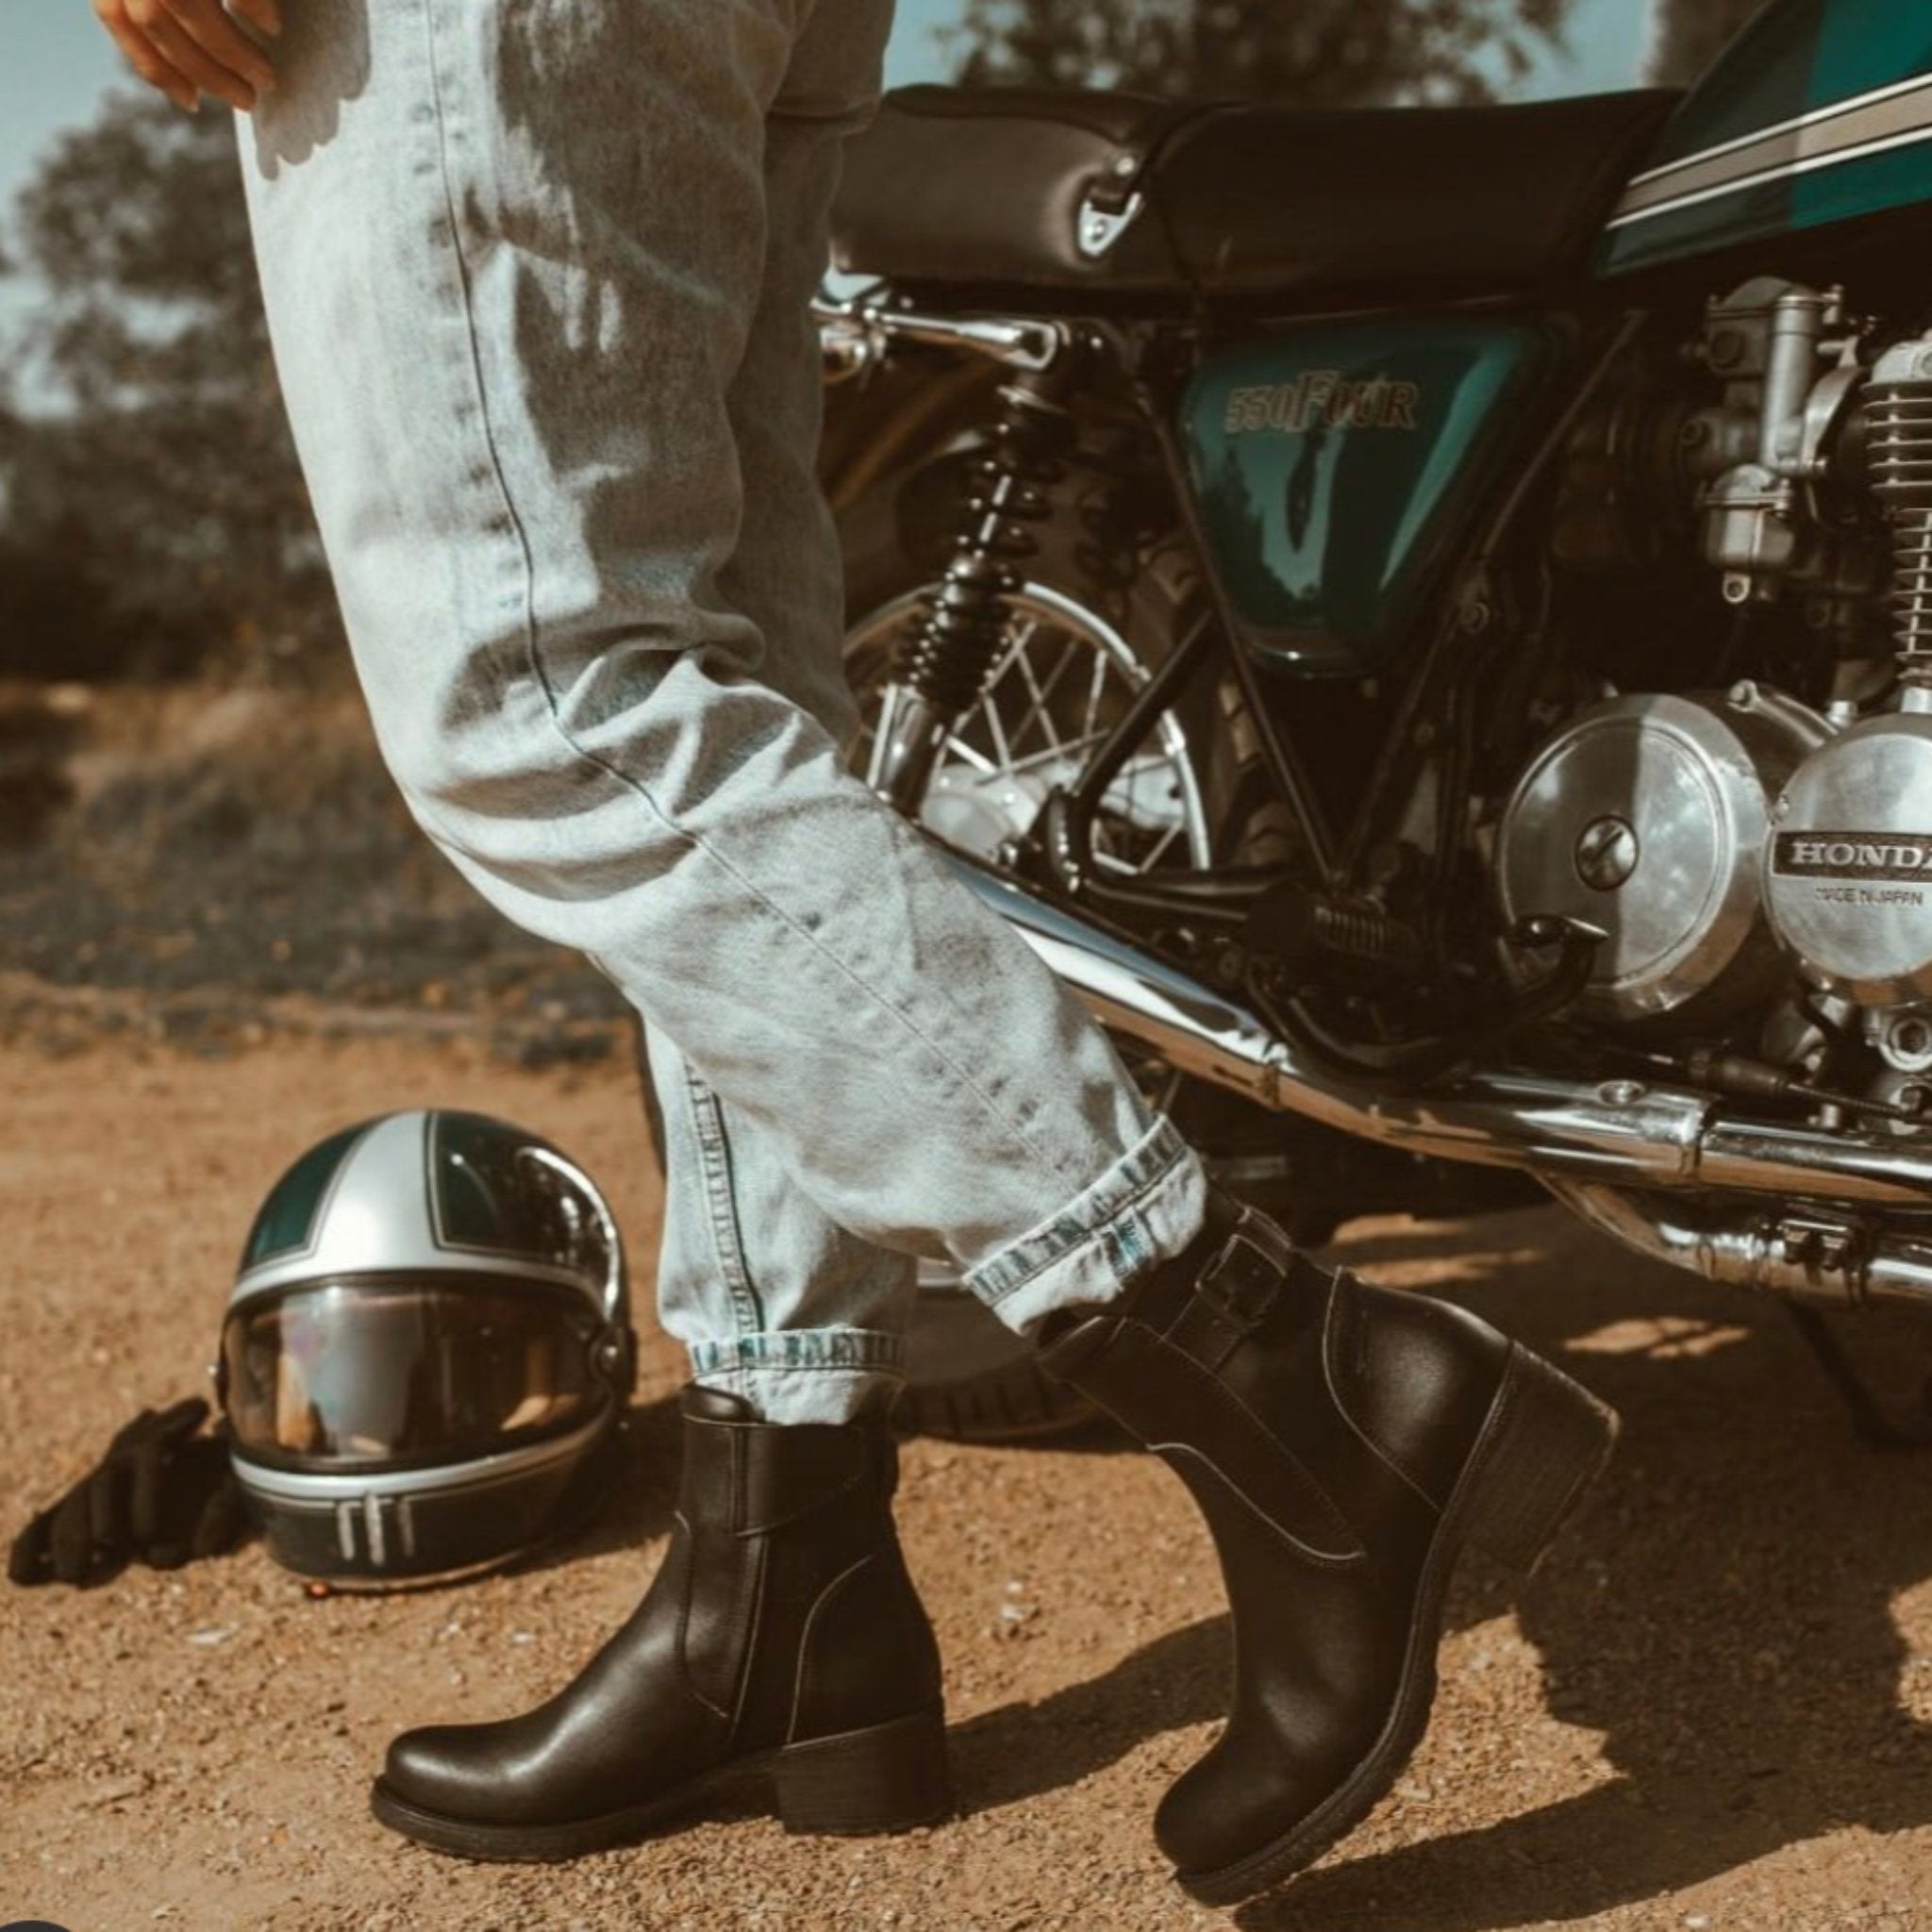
{"type": "Point", "coordinates": [1647, 816]}
{"type": "Point", "coordinates": [1898, 416]}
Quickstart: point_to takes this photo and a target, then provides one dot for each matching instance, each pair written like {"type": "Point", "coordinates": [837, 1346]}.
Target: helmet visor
{"type": "Point", "coordinates": [370, 1373]}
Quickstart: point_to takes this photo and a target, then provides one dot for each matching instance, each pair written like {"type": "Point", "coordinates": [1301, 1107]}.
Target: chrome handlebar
{"type": "Point", "coordinates": [856, 333]}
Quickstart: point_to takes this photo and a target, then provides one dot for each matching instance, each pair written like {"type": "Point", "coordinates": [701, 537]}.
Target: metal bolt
{"type": "Point", "coordinates": [1607, 853]}
{"type": "Point", "coordinates": [1908, 1043]}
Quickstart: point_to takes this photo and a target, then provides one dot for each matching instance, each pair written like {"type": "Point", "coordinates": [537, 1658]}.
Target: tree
{"type": "Point", "coordinates": [1328, 53]}
{"type": "Point", "coordinates": [1686, 36]}
{"type": "Point", "coordinates": [152, 513]}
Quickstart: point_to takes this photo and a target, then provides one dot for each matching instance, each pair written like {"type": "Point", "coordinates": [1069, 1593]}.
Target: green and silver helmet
{"type": "Point", "coordinates": [428, 1341]}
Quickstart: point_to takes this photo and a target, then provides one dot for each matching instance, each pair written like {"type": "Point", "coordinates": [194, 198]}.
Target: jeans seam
{"type": "Point", "coordinates": [727, 1236]}
{"type": "Point", "coordinates": [1099, 1233]}
{"type": "Point", "coordinates": [1057, 1162]}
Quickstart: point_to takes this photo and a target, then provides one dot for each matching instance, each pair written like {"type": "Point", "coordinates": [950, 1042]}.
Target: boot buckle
{"type": "Point", "coordinates": [1245, 1279]}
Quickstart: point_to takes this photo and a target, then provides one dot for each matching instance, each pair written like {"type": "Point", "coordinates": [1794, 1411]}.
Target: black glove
{"type": "Point", "coordinates": [163, 1493]}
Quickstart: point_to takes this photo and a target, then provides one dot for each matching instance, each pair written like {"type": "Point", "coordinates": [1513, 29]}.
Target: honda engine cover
{"type": "Point", "coordinates": [1848, 880]}
{"type": "Point", "coordinates": [1647, 817]}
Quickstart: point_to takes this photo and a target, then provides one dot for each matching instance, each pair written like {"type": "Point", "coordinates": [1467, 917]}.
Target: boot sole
{"type": "Point", "coordinates": [1544, 1442]}
{"type": "Point", "coordinates": [887, 1778]}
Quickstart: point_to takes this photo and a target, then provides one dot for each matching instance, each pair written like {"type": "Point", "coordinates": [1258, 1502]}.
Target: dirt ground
{"type": "Point", "coordinates": [1711, 1709]}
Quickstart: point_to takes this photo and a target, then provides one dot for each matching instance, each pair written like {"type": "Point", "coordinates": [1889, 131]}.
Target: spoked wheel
{"type": "Point", "coordinates": [1064, 676]}
{"type": "Point", "coordinates": [1061, 683]}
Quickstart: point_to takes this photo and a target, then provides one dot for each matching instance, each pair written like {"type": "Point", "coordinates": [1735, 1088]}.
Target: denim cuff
{"type": "Point", "coordinates": [1145, 1208]}
{"type": "Point", "coordinates": [804, 1375]}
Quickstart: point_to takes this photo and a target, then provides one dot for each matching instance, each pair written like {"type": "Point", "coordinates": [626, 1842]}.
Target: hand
{"type": "Point", "coordinates": [187, 48]}
{"type": "Point", "coordinates": [162, 1495]}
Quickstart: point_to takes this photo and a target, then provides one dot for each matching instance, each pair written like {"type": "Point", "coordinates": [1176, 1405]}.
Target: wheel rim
{"type": "Point", "coordinates": [1063, 677]}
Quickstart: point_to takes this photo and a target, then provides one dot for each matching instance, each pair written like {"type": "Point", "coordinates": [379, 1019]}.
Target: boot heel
{"type": "Point", "coordinates": [1549, 1439]}
{"type": "Point", "coordinates": [889, 1778]}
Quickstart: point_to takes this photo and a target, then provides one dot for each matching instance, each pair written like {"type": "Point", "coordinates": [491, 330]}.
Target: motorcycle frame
{"type": "Point", "coordinates": [1806, 1213]}
{"type": "Point", "coordinates": [860, 335]}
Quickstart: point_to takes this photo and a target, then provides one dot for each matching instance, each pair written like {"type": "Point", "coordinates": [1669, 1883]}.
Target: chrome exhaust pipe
{"type": "Point", "coordinates": [1787, 1255]}
{"type": "Point", "coordinates": [1624, 1133]}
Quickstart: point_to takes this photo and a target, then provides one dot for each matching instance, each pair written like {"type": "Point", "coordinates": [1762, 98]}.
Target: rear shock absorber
{"type": "Point", "coordinates": [944, 662]}
{"type": "Point", "coordinates": [1898, 414]}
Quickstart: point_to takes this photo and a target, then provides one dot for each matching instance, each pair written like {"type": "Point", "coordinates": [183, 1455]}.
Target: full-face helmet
{"type": "Point", "coordinates": [427, 1347]}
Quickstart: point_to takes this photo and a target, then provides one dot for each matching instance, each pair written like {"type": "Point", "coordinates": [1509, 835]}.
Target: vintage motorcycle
{"type": "Point", "coordinates": [1424, 619]}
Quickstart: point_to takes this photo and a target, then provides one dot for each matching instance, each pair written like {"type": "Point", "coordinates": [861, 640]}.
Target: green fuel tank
{"type": "Point", "coordinates": [1819, 113]}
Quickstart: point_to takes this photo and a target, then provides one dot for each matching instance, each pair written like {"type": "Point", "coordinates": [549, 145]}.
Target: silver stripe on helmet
{"type": "Point", "coordinates": [352, 1486]}
{"type": "Point", "coordinates": [377, 1220]}
{"type": "Point", "coordinates": [374, 1515]}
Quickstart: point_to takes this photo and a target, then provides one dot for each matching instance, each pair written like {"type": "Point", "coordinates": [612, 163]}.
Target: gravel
{"type": "Point", "coordinates": [1709, 1712]}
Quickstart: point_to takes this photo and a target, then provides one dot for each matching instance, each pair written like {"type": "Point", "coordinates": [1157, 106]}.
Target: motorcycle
{"type": "Point", "coordinates": [1423, 618]}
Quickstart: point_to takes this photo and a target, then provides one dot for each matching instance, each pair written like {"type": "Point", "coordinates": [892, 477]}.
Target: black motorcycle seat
{"type": "Point", "coordinates": [1065, 198]}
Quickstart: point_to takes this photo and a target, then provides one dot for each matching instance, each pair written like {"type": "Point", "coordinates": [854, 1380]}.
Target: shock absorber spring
{"type": "Point", "coordinates": [945, 659]}
{"type": "Point", "coordinates": [1898, 411]}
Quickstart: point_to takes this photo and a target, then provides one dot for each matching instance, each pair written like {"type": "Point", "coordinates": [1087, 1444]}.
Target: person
{"type": "Point", "coordinates": [538, 274]}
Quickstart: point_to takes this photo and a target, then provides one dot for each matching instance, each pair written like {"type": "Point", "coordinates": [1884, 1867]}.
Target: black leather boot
{"type": "Point", "coordinates": [1345, 1443]}
{"type": "Point", "coordinates": [780, 1650]}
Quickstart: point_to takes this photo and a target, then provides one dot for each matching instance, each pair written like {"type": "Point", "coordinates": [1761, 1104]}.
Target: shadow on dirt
{"type": "Point", "coordinates": [1721, 1612]}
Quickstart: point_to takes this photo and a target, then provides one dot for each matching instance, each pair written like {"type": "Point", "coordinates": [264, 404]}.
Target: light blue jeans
{"type": "Point", "coordinates": [538, 274]}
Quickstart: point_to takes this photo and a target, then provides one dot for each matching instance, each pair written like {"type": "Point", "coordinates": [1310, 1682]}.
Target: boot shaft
{"type": "Point", "coordinates": [798, 1616]}
{"type": "Point", "coordinates": [782, 1640]}
{"type": "Point", "coordinates": [1321, 1403]}
{"type": "Point", "coordinates": [743, 1477]}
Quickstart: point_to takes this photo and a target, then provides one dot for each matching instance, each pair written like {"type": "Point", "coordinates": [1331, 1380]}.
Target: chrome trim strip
{"type": "Point", "coordinates": [1787, 157]}
{"type": "Point", "coordinates": [1786, 171]}
{"type": "Point", "coordinates": [306, 1486]}
{"type": "Point", "coordinates": [1849, 105]}
{"type": "Point", "coordinates": [1796, 168]}
{"type": "Point", "coordinates": [1772, 152]}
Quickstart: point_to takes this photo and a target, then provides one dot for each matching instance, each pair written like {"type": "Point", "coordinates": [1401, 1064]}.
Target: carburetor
{"type": "Point", "coordinates": [1788, 360]}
